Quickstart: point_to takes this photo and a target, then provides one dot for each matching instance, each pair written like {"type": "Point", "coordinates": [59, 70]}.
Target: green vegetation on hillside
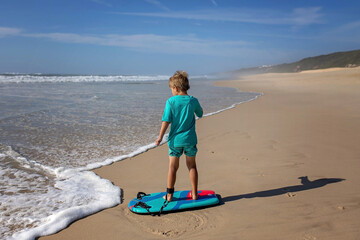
{"type": "Point", "coordinates": [338, 59]}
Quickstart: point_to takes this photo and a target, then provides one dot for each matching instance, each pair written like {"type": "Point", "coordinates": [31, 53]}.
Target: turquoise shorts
{"type": "Point", "coordinates": [189, 151]}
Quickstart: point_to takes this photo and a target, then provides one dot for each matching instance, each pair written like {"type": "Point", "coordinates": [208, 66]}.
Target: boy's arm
{"type": "Point", "coordinates": [199, 111]}
{"type": "Point", "coordinates": [164, 126]}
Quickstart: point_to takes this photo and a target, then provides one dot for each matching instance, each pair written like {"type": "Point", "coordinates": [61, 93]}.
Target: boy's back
{"type": "Point", "coordinates": [179, 111]}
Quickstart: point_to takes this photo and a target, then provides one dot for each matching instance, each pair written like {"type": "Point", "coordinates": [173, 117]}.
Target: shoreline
{"type": "Point", "coordinates": [262, 148]}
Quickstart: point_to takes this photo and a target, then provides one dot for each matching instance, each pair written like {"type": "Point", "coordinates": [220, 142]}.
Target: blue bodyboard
{"type": "Point", "coordinates": [153, 202]}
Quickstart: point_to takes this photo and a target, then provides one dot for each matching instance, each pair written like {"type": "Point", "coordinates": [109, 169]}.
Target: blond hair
{"type": "Point", "coordinates": [180, 81]}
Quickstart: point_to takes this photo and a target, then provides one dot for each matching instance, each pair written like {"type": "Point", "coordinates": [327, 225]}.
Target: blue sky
{"type": "Point", "coordinates": [162, 36]}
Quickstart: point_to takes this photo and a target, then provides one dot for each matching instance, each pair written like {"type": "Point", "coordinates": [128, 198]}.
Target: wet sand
{"type": "Point", "coordinates": [286, 166]}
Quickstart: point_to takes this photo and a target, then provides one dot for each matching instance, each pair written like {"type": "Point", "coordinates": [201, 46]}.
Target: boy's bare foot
{"type": "Point", "coordinates": [194, 196]}
{"type": "Point", "coordinates": [168, 197]}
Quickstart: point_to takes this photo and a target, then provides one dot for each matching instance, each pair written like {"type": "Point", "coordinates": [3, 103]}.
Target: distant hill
{"type": "Point", "coordinates": [338, 59]}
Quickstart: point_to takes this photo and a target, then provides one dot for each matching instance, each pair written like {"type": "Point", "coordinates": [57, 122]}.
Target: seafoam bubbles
{"type": "Point", "coordinates": [82, 193]}
{"type": "Point", "coordinates": [39, 78]}
{"type": "Point", "coordinates": [60, 78]}
{"type": "Point", "coordinates": [37, 200]}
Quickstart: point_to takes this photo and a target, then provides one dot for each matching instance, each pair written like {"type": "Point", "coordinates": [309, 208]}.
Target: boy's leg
{"type": "Point", "coordinates": [173, 167]}
{"type": "Point", "coordinates": [191, 164]}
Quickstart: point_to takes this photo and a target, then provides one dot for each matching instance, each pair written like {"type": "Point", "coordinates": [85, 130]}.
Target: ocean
{"type": "Point", "coordinates": [54, 129]}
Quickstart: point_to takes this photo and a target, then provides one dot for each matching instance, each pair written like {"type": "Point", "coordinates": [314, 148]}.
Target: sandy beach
{"type": "Point", "coordinates": [286, 166]}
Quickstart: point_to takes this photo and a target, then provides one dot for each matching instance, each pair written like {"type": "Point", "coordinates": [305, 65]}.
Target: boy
{"type": "Point", "coordinates": [180, 112]}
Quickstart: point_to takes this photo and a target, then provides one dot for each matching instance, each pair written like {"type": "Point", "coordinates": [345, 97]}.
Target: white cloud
{"type": "Point", "coordinates": [351, 26]}
{"type": "Point", "coordinates": [153, 43]}
{"type": "Point", "coordinates": [5, 31]}
{"type": "Point", "coordinates": [214, 3]}
{"type": "Point", "coordinates": [299, 16]}
{"type": "Point", "coordinates": [158, 4]}
{"type": "Point", "coordinates": [68, 37]}
{"type": "Point", "coordinates": [306, 16]}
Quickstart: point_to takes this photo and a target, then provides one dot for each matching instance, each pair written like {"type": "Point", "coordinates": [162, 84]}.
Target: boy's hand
{"type": "Point", "coordinates": [158, 141]}
{"type": "Point", "coordinates": [164, 126]}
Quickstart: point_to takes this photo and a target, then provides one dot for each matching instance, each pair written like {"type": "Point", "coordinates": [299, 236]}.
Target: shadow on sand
{"type": "Point", "coordinates": [305, 185]}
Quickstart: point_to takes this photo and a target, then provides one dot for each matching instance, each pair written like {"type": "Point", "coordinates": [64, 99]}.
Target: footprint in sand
{"type": "Point", "coordinates": [272, 144]}
{"type": "Point", "coordinates": [169, 225]}
{"type": "Point", "coordinates": [245, 135]}
{"type": "Point", "coordinates": [290, 195]}
{"type": "Point", "coordinates": [309, 237]}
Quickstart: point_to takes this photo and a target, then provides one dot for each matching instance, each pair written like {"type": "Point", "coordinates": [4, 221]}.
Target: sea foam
{"type": "Point", "coordinates": [44, 78]}
{"type": "Point", "coordinates": [75, 185]}
{"type": "Point", "coordinates": [43, 200]}
{"type": "Point", "coordinates": [38, 78]}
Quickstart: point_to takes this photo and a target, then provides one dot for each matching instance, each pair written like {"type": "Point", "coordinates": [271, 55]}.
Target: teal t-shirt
{"type": "Point", "coordinates": [180, 111]}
